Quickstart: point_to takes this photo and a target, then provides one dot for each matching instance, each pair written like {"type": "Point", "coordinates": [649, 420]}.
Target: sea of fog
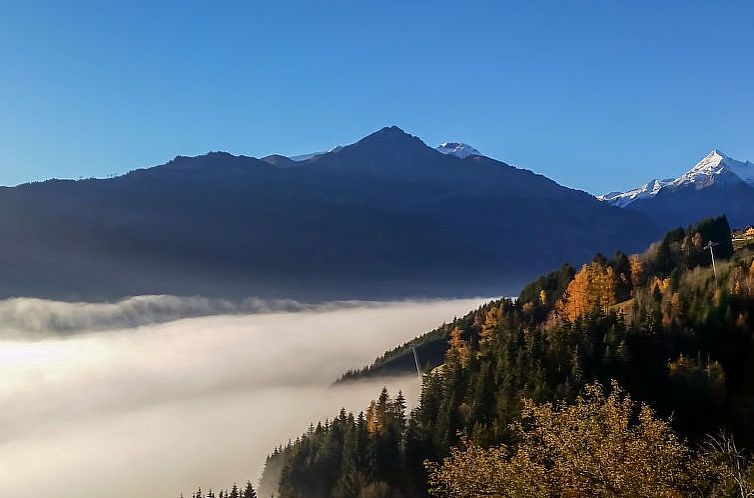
{"type": "Point", "coordinates": [156, 395]}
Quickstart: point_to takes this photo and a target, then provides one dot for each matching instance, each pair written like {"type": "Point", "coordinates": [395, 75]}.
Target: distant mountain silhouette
{"type": "Point", "coordinates": [387, 216]}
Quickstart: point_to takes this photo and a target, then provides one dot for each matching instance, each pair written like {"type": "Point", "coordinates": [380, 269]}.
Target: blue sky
{"type": "Point", "coordinates": [597, 95]}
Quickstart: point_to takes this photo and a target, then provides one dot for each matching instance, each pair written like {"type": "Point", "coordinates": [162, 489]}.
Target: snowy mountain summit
{"type": "Point", "coordinates": [458, 149]}
{"type": "Point", "coordinates": [623, 199]}
{"type": "Point", "coordinates": [714, 169]}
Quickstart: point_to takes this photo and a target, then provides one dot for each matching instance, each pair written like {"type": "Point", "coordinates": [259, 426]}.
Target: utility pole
{"type": "Point", "coordinates": [709, 246]}
{"type": "Point", "coordinates": [416, 362]}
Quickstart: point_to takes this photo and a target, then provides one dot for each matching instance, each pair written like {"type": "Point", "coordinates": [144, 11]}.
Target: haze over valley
{"type": "Point", "coordinates": [166, 407]}
{"type": "Point", "coordinates": [340, 249]}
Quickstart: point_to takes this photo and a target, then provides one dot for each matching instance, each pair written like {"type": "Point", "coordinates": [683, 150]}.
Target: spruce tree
{"type": "Point", "coordinates": [248, 491]}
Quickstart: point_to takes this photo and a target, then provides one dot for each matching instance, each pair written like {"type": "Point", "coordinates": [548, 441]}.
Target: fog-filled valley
{"type": "Point", "coordinates": [96, 403]}
{"type": "Point", "coordinates": [376, 249]}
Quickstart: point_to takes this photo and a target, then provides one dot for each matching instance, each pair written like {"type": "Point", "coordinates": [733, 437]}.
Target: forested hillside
{"type": "Point", "coordinates": [663, 328]}
{"type": "Point", "coordinates": [430, 349]}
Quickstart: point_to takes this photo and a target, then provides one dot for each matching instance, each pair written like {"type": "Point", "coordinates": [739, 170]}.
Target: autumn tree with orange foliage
{"type": "Point", "coordinates": [637, 271]}
{"type": "Point", "coordinates": [592, 289]}
{"type": "Point", "coordinates": [458, 349]}
{"type": "Point", "coordinates": [492, 319]}
{"type": "Point", "coordinates": [741, 279]}
{"type": "Point", "coordinates": [600, 446]}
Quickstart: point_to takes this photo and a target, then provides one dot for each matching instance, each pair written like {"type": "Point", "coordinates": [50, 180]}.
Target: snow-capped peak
{"type": "Point", "coordinates": [623, 199]}
{"type": "Point", "coordinates": [458, 149]}
{"type": "Point", "coordinates": [714, 168]}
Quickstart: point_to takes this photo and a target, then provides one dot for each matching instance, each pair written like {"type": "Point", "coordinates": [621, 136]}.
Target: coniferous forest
{"type": "Point", "coordinates": [247, 491]}
{"type": "Point", "coordinates": [629, 376]}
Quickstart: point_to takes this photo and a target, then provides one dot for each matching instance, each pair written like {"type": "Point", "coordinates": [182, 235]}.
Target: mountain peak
{"type": "Point", "coordinates": [387, 132]}
{"type": "Point", "coordinates": [458, 149]}
{"type": "Point", "coordinates": [392, 129]}
{"type": "Point", "coordinates": [390, 137]}
{"type": "Point", "coordinates": [716, 168]}
{"type": "Point", "coordinates": [713, 167]}
{"type": "Point", "coordinates": [623, 199]}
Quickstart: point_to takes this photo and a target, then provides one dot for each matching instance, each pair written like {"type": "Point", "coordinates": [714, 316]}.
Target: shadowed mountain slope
{"type": "Point", "coordinates": [387, 216]}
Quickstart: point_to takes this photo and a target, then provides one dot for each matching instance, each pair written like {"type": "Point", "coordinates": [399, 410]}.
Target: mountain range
{"type": "Point", "coordinates": [387, 216]}
{"type": "Point", "coordinates": [716, 185]}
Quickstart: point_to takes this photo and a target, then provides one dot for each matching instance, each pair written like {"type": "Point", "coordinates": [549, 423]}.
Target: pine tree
{"type": "Point", "coordinates": [400, 410]}
{"type": "Point", "coordinates": [249, 491]}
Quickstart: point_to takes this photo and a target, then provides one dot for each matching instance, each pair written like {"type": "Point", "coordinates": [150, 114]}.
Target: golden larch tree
{"type": "Point", "coordinates": [592, 288]}
{"type": "Point", "coordinates": [492, 319]}
{"type": "Point", "coordinates": [637, 271]}
{"type": "Point", "coordinates": [374, 424]}
{"type": "Point", "coordinates": [458, 350]}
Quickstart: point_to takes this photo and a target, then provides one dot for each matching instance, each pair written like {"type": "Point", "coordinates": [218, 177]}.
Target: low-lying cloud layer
{"type": "Point", "coordinates": [38, 318]}
{"type": "Point", "coordinates": [156, 409]}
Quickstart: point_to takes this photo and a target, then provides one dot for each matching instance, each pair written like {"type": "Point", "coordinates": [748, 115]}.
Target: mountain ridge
{"type": "Point", "coordinates": [717, 184]}
{"type": "Point", "coordinates": [385, 217]}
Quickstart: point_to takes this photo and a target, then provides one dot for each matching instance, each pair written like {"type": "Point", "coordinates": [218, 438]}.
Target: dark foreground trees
{"type": "Point", "coordinates": [601, 446]}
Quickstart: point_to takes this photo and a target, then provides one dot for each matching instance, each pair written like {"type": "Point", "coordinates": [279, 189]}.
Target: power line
{"type": "Point", "coordinates": [416, 362]}
{"type": "Point", "coordinates": [709, 246]}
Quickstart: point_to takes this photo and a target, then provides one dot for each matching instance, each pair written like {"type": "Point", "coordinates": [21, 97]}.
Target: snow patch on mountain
{"type": "Point", "coordinates": [458, 149]}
